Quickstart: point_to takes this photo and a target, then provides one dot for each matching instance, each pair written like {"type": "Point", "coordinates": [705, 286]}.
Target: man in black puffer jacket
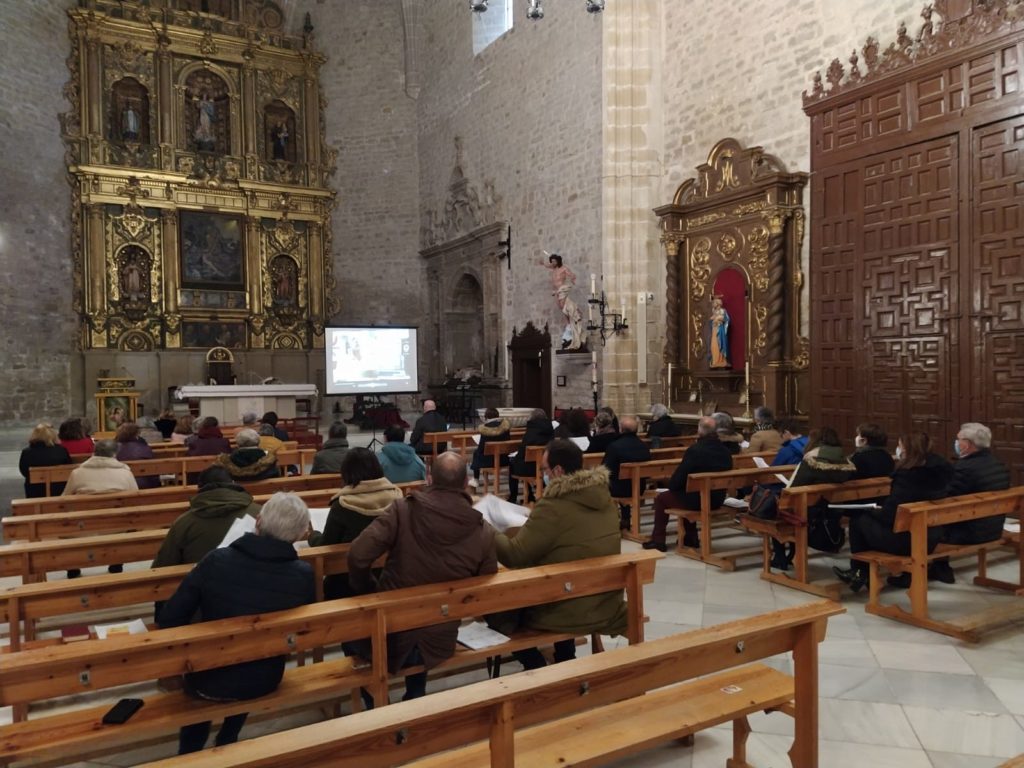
{"type": "Point", "coordinates": [258, 573]}
{"type": "Point", "coordinates": [976, 470]}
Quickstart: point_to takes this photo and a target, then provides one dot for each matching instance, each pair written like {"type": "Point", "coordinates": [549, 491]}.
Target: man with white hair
{"type": "Point", "coordinates": [258, 573]}
{"type": "Point", "coordinates": [976, 470]}
{"type": "Point", "coordinates": [661, 424]}
{"type": "Point", "coordinates": [430, 421]}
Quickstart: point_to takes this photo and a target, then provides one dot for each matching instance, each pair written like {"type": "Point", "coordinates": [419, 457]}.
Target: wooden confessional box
{"type": "Point", "coordinates": [734, 234]}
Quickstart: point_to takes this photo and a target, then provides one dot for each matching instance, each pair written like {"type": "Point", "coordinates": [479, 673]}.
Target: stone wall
{"type": "Point", "coordinates": [38, 326]}
{"type": "Point", "coordinates": [528, 112]}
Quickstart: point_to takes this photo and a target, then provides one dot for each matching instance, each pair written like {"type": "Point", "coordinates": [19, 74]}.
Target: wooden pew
{"type": "Point", "coordinates": [97, 665]}
{"type": "Point", "coordinates": [730, 481]}
{"type": "Point", "coordinates": [170, 493]}
{"type": "Point", "coordinates": [179, 466]}
{"type": "Point", "coordinates": [590, 711]}
{"type": "Point", "coordinates": [33, 560]}
{"type": "Point", "coordinates": [495, 450]}
{"type": "Point", "coordinates": [916, 519]}
{"type": "Point", "coordinates": [795, 502]}
{"type": "Point", "coordinates": [1013, 762]}
{"type": "Point", "coordinates": [662, 469]}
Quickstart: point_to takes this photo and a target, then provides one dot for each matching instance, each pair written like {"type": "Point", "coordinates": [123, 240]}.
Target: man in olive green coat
{"type": "Point", "coordinates": [209, 516]}
{"type": "Point", "coordinates": [575, 519]}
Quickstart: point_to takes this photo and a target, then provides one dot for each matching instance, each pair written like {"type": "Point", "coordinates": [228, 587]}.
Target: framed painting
{"type": "Point", "coordinates": [212, 251]}
{"type": "Point", "coordinates": [204, 334]}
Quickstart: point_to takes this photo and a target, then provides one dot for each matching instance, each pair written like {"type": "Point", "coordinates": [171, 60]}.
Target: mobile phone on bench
{"type": "Point", "coordinates": [122, 711]}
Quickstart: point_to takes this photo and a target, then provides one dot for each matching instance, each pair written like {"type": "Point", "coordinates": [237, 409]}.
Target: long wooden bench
{"type": "Point", "coordinates": [461, 441]}
{"type": "Point", "coordinates": [33, 560]}
{"type": "Point", "coordinates": [795, 502]}
{"type": "Point", "coordinates": [916, 519]}
{"type": "Point", "coordinates": [178, 466]}
{"type": "Point", "coordinates": [705, 483]}
{"type": "Point", "coordinates": [584, 712]}
{"type": "Point", "coordinates": [170, 493]}
{"type": "Point", "coordinates": [495, 450]}
{"type": "Point", "coordinates": [641, 472]}
{"type": "Point", "coordinates": [98, 665]}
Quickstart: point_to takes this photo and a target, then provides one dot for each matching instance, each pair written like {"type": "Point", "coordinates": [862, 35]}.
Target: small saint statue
{"type": "Point", "coordinates": [129, 124]}
{"type": "Point", "coordinates": [719, 346]}
{"type": "Point", "coordinates": [562, 281]}
{"type": "Point", "coordinates": [207, 113]}
{"type": "Point", "coordinates": [279, 140]}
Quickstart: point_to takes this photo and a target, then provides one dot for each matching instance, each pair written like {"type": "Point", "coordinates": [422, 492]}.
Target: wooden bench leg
{"type": "Point", "coordinates": [740, 733]}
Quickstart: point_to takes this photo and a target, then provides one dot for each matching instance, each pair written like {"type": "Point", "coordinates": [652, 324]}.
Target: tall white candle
{"type": "Point", "coordinates": [748, 373]}
{"type": "Point", "coordinates": [593, 284]}
{"type": "Point", "coordinates": [593, 367]}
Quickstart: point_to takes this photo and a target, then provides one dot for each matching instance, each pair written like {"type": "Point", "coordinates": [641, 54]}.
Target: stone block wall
{"type": "Point", "coordinates": [38, 326]}
{"type": "Point", "coordinates": [528, 112]}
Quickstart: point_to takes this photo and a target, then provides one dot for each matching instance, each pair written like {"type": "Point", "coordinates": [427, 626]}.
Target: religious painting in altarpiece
{"type": "Point", "coordinates": [201, 211]}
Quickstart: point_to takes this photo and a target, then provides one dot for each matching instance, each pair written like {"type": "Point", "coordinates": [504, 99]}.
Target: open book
{"type": "Point", "coordinates": [501, 514]}
{"type": "Point", "coordinates": [478, 635]}
{"type": "Point", "coordinates": [760, 463]}
{"type": "Point", "coordinates": [241, 526]}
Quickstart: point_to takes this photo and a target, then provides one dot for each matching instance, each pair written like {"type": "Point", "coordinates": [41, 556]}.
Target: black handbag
{"type": "Point", "coordinates": [764, 503]}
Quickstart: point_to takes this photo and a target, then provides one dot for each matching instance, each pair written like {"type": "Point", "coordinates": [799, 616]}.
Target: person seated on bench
{"type": "Point", "coordinates": [270, 417]}
{"type": "Point", "coordinates": [132, 447]}
{"type": "Point", "coordinates": [269, 440]}
{"type": "Point", "coordinates": [708, 454]}
{"type": "Point", "coordinates": [398, 459]}
{"type": "Point", "coordinates": [575, 519]}
{"type": "Point", "coordinates": [327, 460]}
{"type": "Point", "coordinates": [628, 448]}
{"type": "Point", "coordinates": [825, 463]}
{"type": "Point", "coordinates": [209, 440]}
{"type": "Point", "coordinates": [605, 433]}
{"type": "Point", "coordinates": [73, 437]}
{"type": "Point", "coordinates": [793, 445]}
{"type": "Point", "coordinates": [430, 421]}
{"type": "Point", "coordinates": [210, 513]}
{"type": "Point", "coordinates": [432, 535]}
{"type": "Point", "coordinates": [920, 475]}
{"type": "Point", "coordinates": [494, 429]}
{"type": "Point", "coordinates": [661, 425]}
{"type": "Point", "coordinates": [249, 462]}
{"type": "Point", "coordinates": [976, 470]}
{"type": "Point", "coordinates": [365, 495]}
{"type": "Point", "coordinates": [538, 432]}
{"type": "Point", "coordinates": [726, 428]}
{"type": "Point", "coordinates": [871, 456]}
{"type": "Point", "coordinates": [258, 573]}
{"type": "Point", "coordinates": [101, 473]}
{"type": "Point", "coordinates": [42, 451]}
{"type": "Point", "coordinates": [765, 436]}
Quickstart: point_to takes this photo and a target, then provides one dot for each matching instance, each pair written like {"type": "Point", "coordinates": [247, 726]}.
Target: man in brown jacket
{"type": "Point", "coordinates": [432, 535]}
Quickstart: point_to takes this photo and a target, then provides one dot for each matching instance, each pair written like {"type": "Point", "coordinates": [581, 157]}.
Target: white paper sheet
{"type": "Point", "coordinates": [735, 503]}
{"type": "Point", "coordinates": [476, 439]}
{"type": "Point", "coordinates": [478, 635]}
{"type": "Point", "coordinates": [582, 442]}
{"type": "Point", "coordinates": [136, 627]}
{"type": "Point", "coordinates": [318, 517]}
{"type": "Point", "coordinates": [1013, 526]}
{"type": "Point", "coordinates": [501, 514]}
{"type": "Point", "coordinates": [760, 462]}
{"type": "Point", "coordinates": [854, 506]}
{"type": "Point", "coordinates": [241, 526]}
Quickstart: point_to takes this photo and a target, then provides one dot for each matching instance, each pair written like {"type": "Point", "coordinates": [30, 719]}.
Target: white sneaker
{"type": "Point", "coordinates": [474, 483]}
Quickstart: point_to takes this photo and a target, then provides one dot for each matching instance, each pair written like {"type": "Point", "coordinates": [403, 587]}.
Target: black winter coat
{"type": "Point", "coordinates": [977, 473]}
{"type": "Point", "coordinates": [256, 574]}
{"type": "Point", "coordinates": [708, 454]}
{"type": "Point", "coordinates": [872, 461]}
{"type": "Point", "coordinates": [627, 448]}
{"type": "Point", "coordinates": [924, 483]}
{"type": "Point", "coordinates": [42, 455]}
{"type": "Point", "coordinates": [600, 443]}
{"type": "Point", "coordinates": [538, 432]}
{"type": "Point", "coordinates": [431, 421]}
{"type": "Point", "coordinates": [664, 427]}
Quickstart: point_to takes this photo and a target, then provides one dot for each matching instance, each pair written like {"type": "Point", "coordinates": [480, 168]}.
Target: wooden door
{"type": "Point", "coordinates": [531, 369]}
{"type": "Point", "coordinates": [996, 299]}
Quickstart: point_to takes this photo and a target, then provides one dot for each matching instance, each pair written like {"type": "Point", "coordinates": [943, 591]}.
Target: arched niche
{"type": "Point", "coordinates": [207, 112]}
{"type": "Point", "coordinates": [464, 318]}
{"type": "Point", "coordinates": [284, 279]}
{"type": "Point", "coordinates": [280, 137]}
{"type": "Point", "coordinates": [128, 112]}
{"type": "Point", "coordinates": [730, 287]}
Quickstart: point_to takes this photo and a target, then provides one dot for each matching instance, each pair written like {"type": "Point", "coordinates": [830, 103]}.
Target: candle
{"type": "Point", "coordinates": [593, 367]}
{"type": "Point", "coordinates": [593, 284]}
{"type": "Point", "coordinates": [623, 311]}
{"type": "Point", "coordinates": [748, 374]}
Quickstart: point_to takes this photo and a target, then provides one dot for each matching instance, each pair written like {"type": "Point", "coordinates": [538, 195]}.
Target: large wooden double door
{"type": "Point", "coordinates": [917, 263]}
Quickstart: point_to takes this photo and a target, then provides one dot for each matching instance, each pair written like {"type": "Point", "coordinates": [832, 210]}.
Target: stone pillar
{"type": "Point", "coordinates": [631, 183]}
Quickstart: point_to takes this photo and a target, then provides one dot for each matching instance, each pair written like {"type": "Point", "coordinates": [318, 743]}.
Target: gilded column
{"type": "Point", "coordinates": [96, 272]}
{"type": "Point", "coordinates": [249, 121]}
{"type": "Point", "coordinates": [165, 104]}
{"type": "Point", "coordinates": [316, 271]}
{"type": "Point", "coordinates": [254, 272]}
{"type": "Point", "coordinates": [172, 269]}
{"type": "Point", "coordinates": [311, 115]}
{"type": "Point", "coordinates": [94, 97]}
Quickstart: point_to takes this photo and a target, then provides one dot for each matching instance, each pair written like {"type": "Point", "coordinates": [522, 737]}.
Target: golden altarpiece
{"type": "Point", "coordinates": [733, 237]}
{"type": "Point", "coordinates": [195, 152]}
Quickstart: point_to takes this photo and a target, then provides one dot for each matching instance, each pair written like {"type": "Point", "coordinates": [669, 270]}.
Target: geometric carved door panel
{"type": "Point", "coordinates": [997, 296]}
{"type": "Point", "coordinates": [908, 279]}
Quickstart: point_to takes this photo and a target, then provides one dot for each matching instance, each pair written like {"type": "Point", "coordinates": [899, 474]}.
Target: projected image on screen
{"type": "Point", "coordinates": [362, 361]}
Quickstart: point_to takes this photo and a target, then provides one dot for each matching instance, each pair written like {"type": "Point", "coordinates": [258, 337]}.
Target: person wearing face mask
{"type": "Point", "coordinates": [871, 457]}
{"type": "Point", "coordinates": [574, 519]}
{"type": "Point", "coordinates": [920, 475]}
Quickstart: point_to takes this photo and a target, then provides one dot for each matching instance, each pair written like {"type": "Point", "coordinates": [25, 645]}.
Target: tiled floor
{"type": "Point", "coordinates": [891, 695]}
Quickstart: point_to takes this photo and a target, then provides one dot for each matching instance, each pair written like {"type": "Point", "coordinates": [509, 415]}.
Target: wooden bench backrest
{"type": "Point", "coordinates": [492, 710]}
{"type": "Point", "coordinates": [956, 509]}
{"type": "Point", "coordinates": [500, 447]}
{"type": "Point", "coordinates": [43, 673]}
{"type": "Point", "coordinates": [733, 479]}
{"type": "Point", "coordinates": [836, 493]}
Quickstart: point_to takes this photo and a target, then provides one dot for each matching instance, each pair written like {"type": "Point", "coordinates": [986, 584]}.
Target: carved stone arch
{"type": "Point", "coordinates": [135, 341]}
